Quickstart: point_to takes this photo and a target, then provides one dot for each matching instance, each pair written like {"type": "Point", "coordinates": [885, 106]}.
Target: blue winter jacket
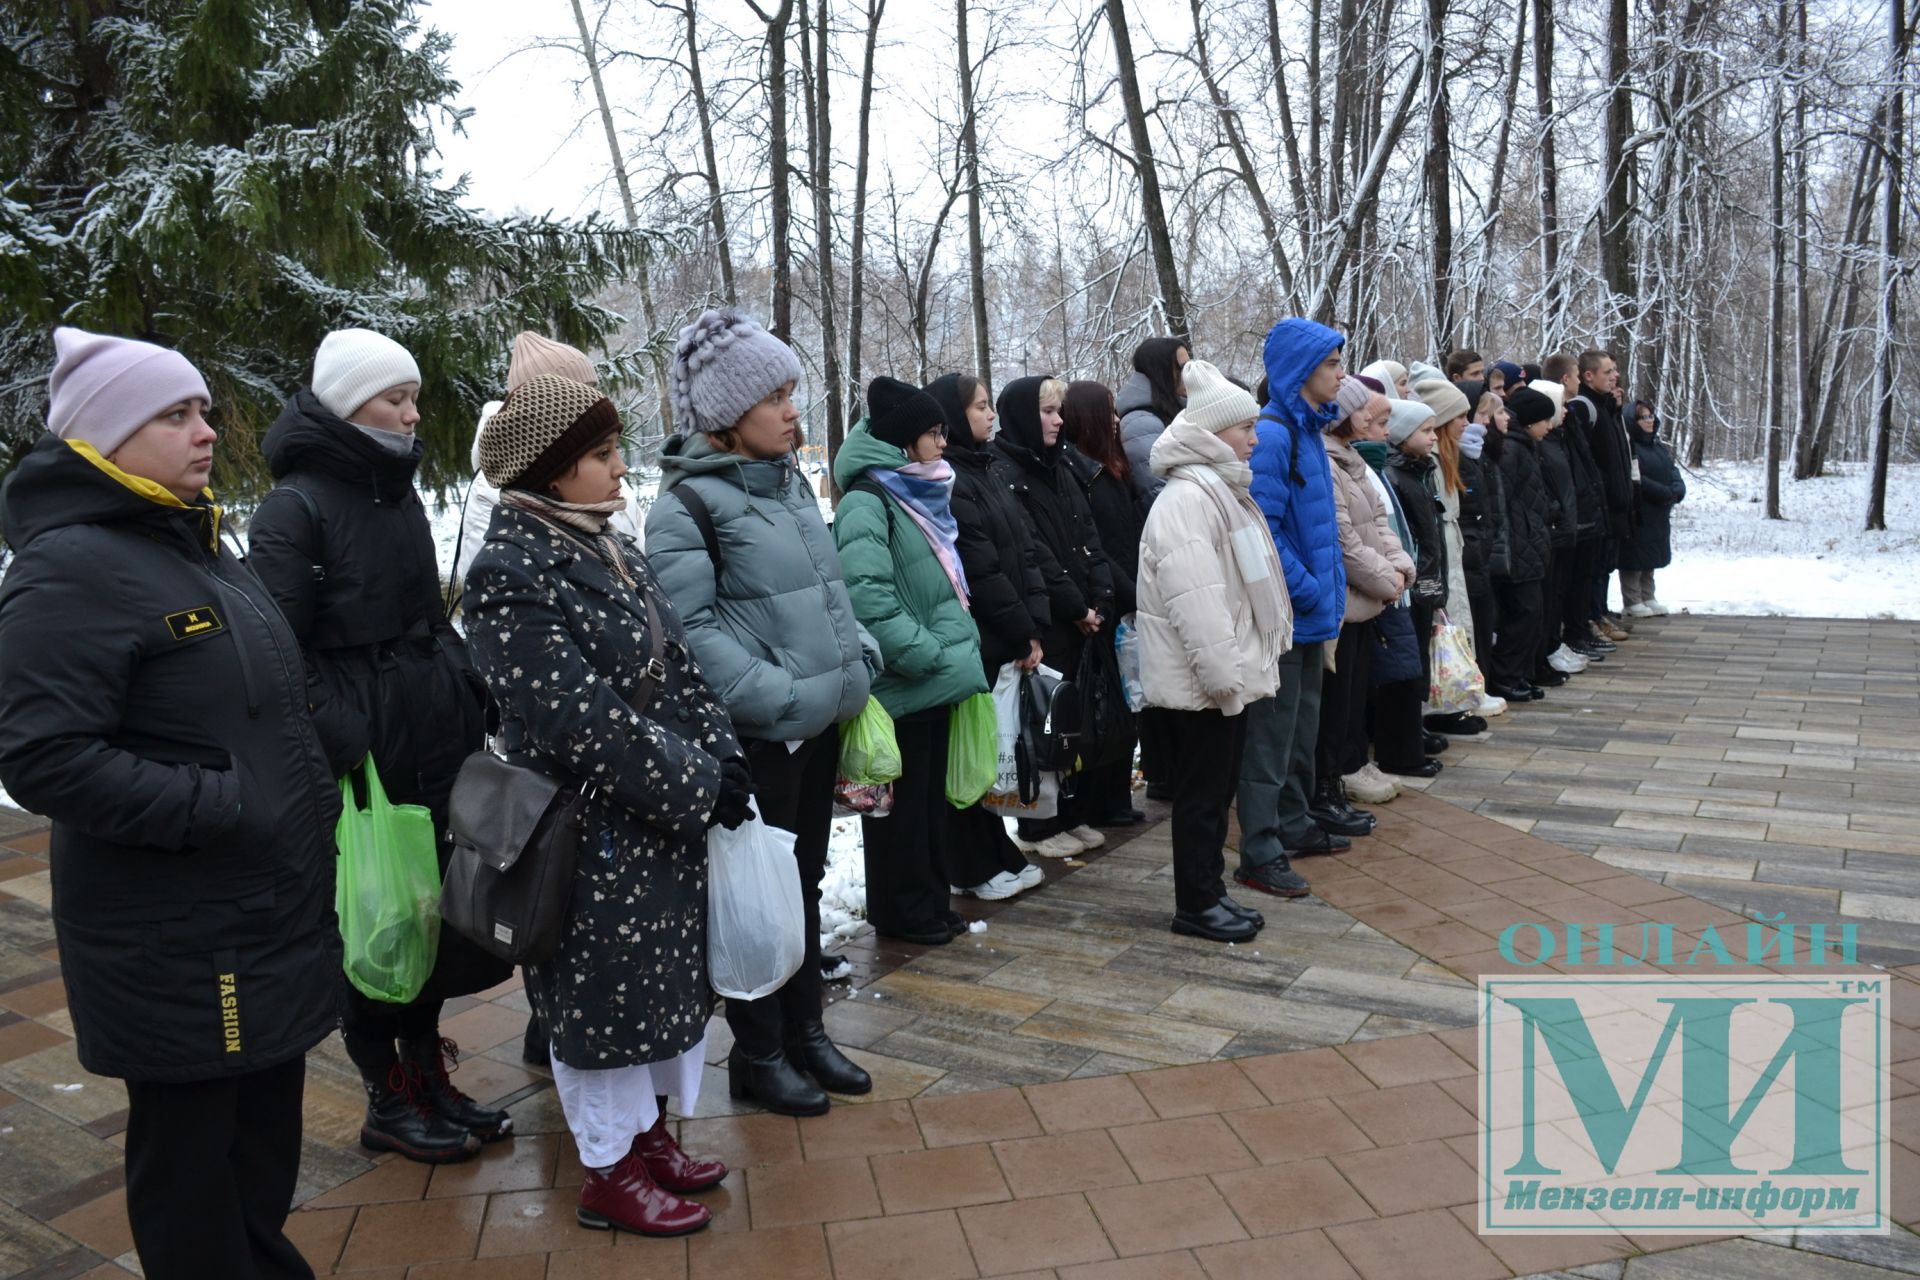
{"type": "Point", "coordinates": [1293, 482]}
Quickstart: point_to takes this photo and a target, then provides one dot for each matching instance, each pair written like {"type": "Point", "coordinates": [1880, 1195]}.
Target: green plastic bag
{"type": "Point", "coordinates": [869, 753]}
{"type": "Point", "coordinates": [386, 889]}
{"type": "Point", "coordinates": [973, 750]}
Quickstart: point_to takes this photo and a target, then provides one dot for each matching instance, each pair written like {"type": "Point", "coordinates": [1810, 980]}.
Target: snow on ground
{"type": "Point", "coordinates": [1816, 563]}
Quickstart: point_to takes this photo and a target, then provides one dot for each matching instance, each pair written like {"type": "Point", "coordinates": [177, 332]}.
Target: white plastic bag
{"type": "Point", "coordinates": [1006, 715]}
{"type": "Point", "coordinates": [756, 923]}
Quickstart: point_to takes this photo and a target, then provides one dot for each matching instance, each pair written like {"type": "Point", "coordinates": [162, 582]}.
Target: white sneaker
{"type": "Point", "coordinates": [1566, 661]}
{"type": "Point", "coordinates": [1031, 876]}
{"type": "Point", "coordinates": [1491, 706]}
{"type": "Point", "coordinates": [1642, 610]}
{"type": "Point", "coordinates": [1087, 836]}
{"type": "Point", "coordinates": [1657, 610]}
{"type": "Point", "coordinates": [1004, 885]}
{"type": "Point", "coordinates": [1374, 774]}
{"type": "Point", "coordinates": [1368, 790]}
{"type": "Point", "coordinates": [1058, 846]}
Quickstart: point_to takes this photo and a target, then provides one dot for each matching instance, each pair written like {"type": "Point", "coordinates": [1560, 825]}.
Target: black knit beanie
{"type": "Point", "coordinates": [900, 413]}
{"type": "Point", "coordinates": [1527, 406]}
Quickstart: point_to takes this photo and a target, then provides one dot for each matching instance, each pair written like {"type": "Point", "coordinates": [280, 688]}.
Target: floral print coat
{"type": "Point", "coordinates": [563, 643]}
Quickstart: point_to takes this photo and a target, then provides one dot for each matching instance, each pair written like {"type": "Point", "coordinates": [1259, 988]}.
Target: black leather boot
{"type": "Point", "coordinates": [1331, 812]}
{"type": "Point", "coordinates": [401, 1117]}
{"type": "Point", "coordinates": [775, 1084]}
{"type": "Point", "coordinates": [809, 1049]}
{"type": "Point", "coordinates": [432, 1062]}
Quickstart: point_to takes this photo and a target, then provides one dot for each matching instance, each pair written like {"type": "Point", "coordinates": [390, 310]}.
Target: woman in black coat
{"type": "Point", "coordinates": [1516, 582]}
{"type": "Point", "coordinates": [1091, 426]}
{"type": "Point", "coordinates": [1661, 488]}
{"type": "Point", "coordinates": [343, 544]}
{"type": "Point", "coordinates": [152, 704]}
{"type": "Point", "coordinates": [1008, 599]}
{"type": "Point", "coordinates": [567, 625]}
{"type": "Point", "coordinates": [1029, 458]}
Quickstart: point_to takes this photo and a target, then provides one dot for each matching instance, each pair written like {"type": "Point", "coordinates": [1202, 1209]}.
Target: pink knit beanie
{"type": "Point", "coordinates": [104, 389]}
{"type": "Point", "coordinates": [534, 355]}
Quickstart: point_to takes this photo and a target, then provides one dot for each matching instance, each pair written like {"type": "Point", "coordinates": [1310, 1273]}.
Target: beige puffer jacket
{"type": "Point", "coordinates": [1201, 647]}
{"type": "Point", "coordinates": [1372, 551]}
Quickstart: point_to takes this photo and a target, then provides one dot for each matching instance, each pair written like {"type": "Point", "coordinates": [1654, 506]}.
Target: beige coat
{"type": "Point", "coordinates": [1201, 646]}
{"type": "Point", "coordinates": [1372, 551]}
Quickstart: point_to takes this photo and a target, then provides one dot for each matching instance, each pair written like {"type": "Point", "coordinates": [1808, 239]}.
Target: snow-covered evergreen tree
{"type": "Point", "coordinates": [236, 177]}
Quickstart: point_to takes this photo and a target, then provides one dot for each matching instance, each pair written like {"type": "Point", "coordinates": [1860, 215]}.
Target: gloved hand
{"type": "Point", "coordinates": [1473, 438]}
{"type": "Point", "coordinates": [736, 788]}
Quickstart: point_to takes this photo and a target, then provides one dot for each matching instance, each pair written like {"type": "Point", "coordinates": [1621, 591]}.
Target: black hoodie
{"type": "Point", "coordinates": [352, 565]}
{"type": "Point", "coordinates": [1072, 561]}
{"type": "Point", "coordinates": [1007, 595]}
{"type": "Point", "coordinates": [152, 704]}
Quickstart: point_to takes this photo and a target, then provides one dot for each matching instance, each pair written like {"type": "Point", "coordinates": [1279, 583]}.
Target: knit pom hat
{"type": "Point", "coordinates": [1352, 396]}
{"type": "Point", "coordinates": [1446, 400]}
{"type": "Point", "coordinates": [1528, 405]}
{"type": "Point", "coordinates": [355, 365]}
{"type": "Point", "coordinates": [1213, 402]}
{"type": "Point", "coordinates": [545, 425]}
{"type": "Point", "coordinates": [1404, 417]}
{"type": "Point", "coordinates": [723, 365]}
{"type": "Point", "coordinates": [103, 389]}
{"type": "Point", "coordinates": [900, 413]}
{"type": "Point", "coordinates": [534, 355]}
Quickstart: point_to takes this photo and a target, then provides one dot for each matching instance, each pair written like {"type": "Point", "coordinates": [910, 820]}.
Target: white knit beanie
{"type": "Point", "coordinates": [355, 365]}
{"type": "Point", "coordinates": [1554, 392]}
{"type": "Point", "coordinates": [1213, 403]}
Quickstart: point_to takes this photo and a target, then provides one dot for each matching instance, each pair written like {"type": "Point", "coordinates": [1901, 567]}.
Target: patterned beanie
{"type": "Point", "coordinates": [723, 365]}
{"type": "Point", "coordinates": [104, 389]}
{"type": "Point", "coordinates": [545, 425]}
{"type": "Point", "coordinates": [534, 355]}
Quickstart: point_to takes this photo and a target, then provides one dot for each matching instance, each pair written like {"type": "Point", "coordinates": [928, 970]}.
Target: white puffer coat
{"type": "Point", "coordinates": [1201, 646]}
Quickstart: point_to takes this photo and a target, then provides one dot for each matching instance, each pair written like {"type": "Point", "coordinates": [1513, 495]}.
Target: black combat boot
{"type": "Point", "coordinates": [401, 1117]}
{"type": "Point", "coordinates": [433, 1062]}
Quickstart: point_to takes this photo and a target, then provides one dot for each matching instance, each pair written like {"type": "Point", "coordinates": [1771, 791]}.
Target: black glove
{"type": "Point", "coordinates": [736, 788]}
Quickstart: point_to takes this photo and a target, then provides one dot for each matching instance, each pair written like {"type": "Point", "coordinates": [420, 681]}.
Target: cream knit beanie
{"type": "Point", "coordinates": [1213, 403]}
{"type": "Point", "coordinates": [355, 365]}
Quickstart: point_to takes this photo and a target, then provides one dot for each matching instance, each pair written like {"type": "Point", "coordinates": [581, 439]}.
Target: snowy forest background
{"type": "Point", "coordinates": [1713, 189]}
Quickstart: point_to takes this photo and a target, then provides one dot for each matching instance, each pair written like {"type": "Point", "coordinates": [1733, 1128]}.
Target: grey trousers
{"type": "Point", "coordinates": [1636, 586]}
{"type": "Point", "coordinates": [1276, 766]}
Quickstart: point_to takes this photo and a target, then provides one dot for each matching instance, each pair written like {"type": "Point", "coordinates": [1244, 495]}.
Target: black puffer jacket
{"type": "Point", "coordinates": [1590, 497]}
{"type": "Point", "coordinates": [361, 588]}
{"type": "Point", "coordinates": [152, 704]}
{"type": "Point", "coordinates": [1117, 518]}
{"type": "Point", "coordinates": [1526, 508]}
{"type": "Point", "coordinates": [1006, 593]}
{"type": "Point", "coordinates": [1556, 474]}
{"type": "Point", "coordinates": [1413, 480]}
{"type": "Point", "coordinates": [1481, 520]}
{"type": "Point", "coordinates": [1613, 461]}
{"type": "Point", "coordinates": [1071, 559]}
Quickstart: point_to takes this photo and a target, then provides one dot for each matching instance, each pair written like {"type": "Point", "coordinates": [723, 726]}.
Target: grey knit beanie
{"type": "Point", "coordinates": [723, 365]}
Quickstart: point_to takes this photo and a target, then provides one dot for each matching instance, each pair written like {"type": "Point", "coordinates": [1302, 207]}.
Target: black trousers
{"type": "Point", "coordinates": [1578, 614]}
{"type": "Point", "coordinates": [794, 790]}
{"type": "Point", "coordinates": [211, 1166]}
{"type": "Point", "coordinates": [1485, 616]}
{"type": "Point", "coordinates": [1398, 733]}
{"type": "Point", "coordinates": [906, 851]}
{"type": "Point", "coordinates": [979, 847]}
{"type": "Point", "coordinates": [1516, 648]}
{"type": "Point", "coordinates": [1342, 747]}
{"type": "Point", "coordinates": [1204, 756]}
{"type": "Point", "coordinates": [1555, 588]}
{"type": "Point", "coordinates": [1155, 762]}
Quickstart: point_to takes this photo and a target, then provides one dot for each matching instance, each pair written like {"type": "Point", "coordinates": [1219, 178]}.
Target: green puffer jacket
{"type": "Point", "coordinates": [900, 592]}
{"type": "Point", "coordinates": [775, 633]}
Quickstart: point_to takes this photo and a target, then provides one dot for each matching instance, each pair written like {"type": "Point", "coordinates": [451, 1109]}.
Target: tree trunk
{"type": "Point", "coordinates": [1172, 301]}
{"type": "Point", "coordinates": [1893, 165]}
{"type": "Point", "coordinates": [1616, 242]}
{"type": "Point", "coordinates": [976, 242]}
{"type": "Point", "coordinates": [1777, 270]}
{"type": "Point", "coordinates": [1497, 184]}
{"type": "Point", "coordinates": [1554, 326]}
{"type": "Point", "coordinates": [618, 159]}
{"type": "Point", "coordinates": [1819, 378]}
{"type": "Point", "coordinates": [857, 252]}
{"type": "Point", "coordinates": [1352, 221]}
{"type": "Point", "coordinates": [1243, 161]}
{"type": "Point", "coordinates": [779, 166]}
{"type": "Point", "coordinates": [1305, 227]}
{"type": "Point", "coordinates": [822, 150]}
{"type": "Point", "coordinates": [703, 111]}
{"type": "Point", "coordinates": [1439, 175]}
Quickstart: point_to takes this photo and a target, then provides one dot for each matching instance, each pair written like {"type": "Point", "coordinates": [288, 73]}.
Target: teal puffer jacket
{"type": "Point", "coordinates": [900, 593]}
{"type": "Point", "coordinates": [774, 633]}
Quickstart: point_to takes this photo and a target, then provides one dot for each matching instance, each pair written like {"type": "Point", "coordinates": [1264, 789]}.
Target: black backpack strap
{"type": "Point", "coordinates": [313, 518]}
{"type": "Point", "coordinates": [703, 520]}
{"type": "Point", "coordinates": [867, 484]}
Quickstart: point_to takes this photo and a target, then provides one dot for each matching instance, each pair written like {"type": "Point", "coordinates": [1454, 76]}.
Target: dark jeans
{"type": "Point", "coordinates": [794, 791]}
{"type": "Point", "coordinates": [1516, 647]}
{"type": "Point", "coordinates": [1342, 745]}
{"type": "Point", "coordinates": [211, 1166]}
{"type": "Point", "coordinates": [1276, 765]}
{"type": "Point", "coordinates": [1205, 758]}
{"type": "Point", "coordinates": [906, 851]}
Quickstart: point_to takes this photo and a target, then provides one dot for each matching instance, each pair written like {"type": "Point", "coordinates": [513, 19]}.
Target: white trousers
{"type": "Point", "coordinates": [607, 1109]}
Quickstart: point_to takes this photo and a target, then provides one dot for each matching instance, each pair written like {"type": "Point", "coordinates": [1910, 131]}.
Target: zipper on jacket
{"type": "Point", "coordinates": [246, 663]}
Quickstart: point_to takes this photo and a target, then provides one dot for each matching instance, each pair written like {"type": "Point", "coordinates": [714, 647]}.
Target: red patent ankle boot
{"type": "Point", "coordinates": [671, 1167]}
{"type": "Point", "coordinates": [626, 1198]}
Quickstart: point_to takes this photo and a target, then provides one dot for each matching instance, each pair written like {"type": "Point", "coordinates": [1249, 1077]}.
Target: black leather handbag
{"type": "Point", "coordinates": [516, 834]}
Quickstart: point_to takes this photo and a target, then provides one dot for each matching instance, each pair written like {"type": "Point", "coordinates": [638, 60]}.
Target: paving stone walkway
{"type": "Point", "coordinates": [1078, 1093]}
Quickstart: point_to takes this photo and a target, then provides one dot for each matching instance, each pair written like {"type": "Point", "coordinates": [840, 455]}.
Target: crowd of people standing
{"type": "Point", "coordinates": [1297, 560]}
